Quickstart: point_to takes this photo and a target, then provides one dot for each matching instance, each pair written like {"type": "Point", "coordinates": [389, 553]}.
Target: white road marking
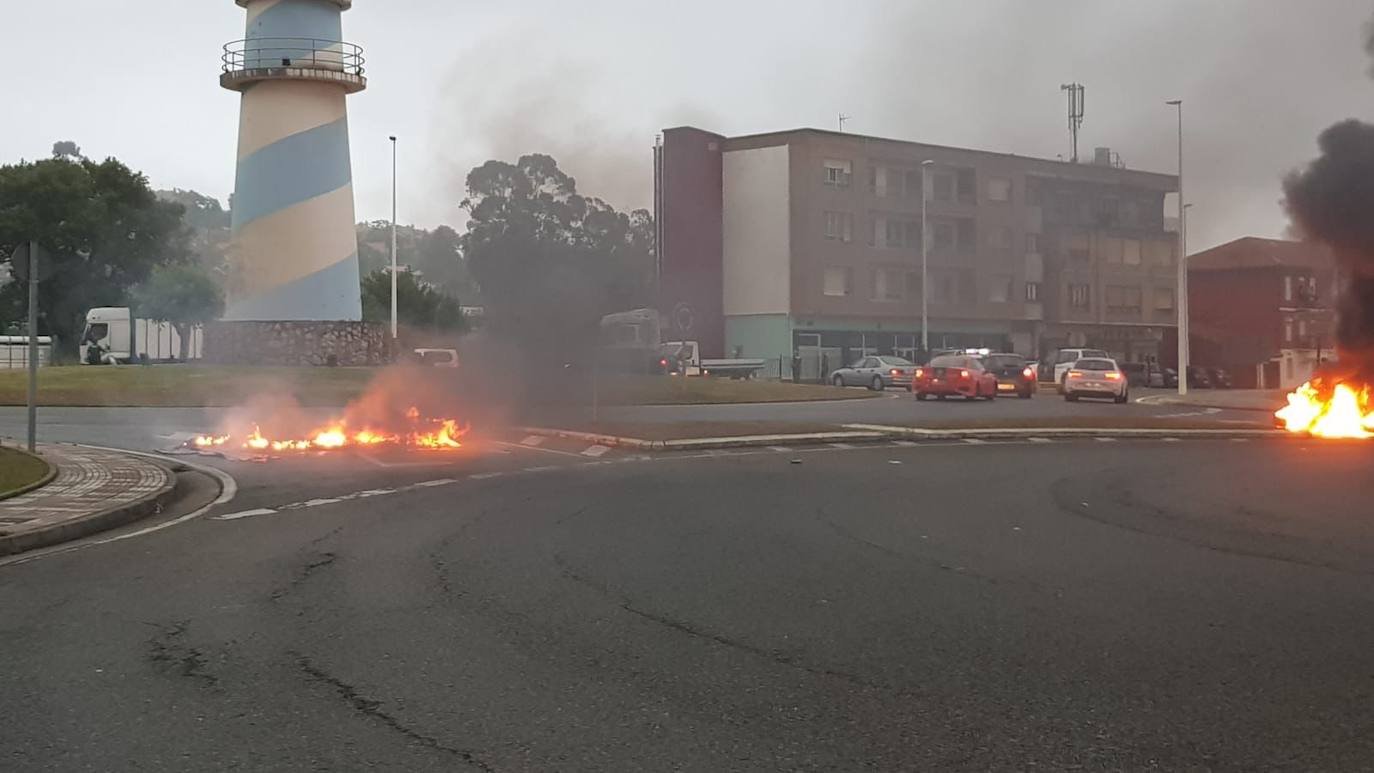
{"type": "Point", "coordinates": [779, 449]}
{"type": "Point", "coordinates": [1105, 439]}
{"type": "Point", "coordinates": [973, 441]}
{"type": "Point", "coordinates": [244, 514]}
{"type": "Point", "coordinates": [1040, 440]}
{"type": "Point", "coordinates": [904, 443]}
{"type": "Point", "coordinates": [841, 446]}
{"type": "Point", "coordinates": [434, 483]}
{"type": "Point", "coordinates": [533, 441]}
{"type": "Point", "coordinates": [486, 475]}
{"type": "Point", "coordinates": [1171, 440]}
{"type": "Point", "coordinates": [596, 451]}
{"type": "Point", "coordinates": [322, 501]}
{"type": "Point", "coordinates": [539, 469]}
{"type": "Point", "coordinates": [524, 447]}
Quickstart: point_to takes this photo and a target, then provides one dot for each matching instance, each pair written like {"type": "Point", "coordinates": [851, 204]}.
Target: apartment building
{"type": "Point", "coordinates": [809, 242]}
{"type": "Point", "coordinates": [1264, 309]}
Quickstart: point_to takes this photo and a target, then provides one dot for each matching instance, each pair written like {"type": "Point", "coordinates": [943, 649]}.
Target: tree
{"type": "Point", "coordinates": [208, 228]}
{"type": "Point", "coordinates": [184, 295]}
{"type": "Point", "coordinates": [66, 149]}
{"type": "Point", "coordinates": [419, 304]}
{"type": "Point", "coordinates": [103, 227]}
{"type": "Point", "coordinates": [551, 262]}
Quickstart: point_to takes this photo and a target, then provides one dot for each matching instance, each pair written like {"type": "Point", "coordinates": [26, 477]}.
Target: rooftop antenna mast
{"type": "Point", "coordinates": [844, 118]}
{"type": "Point", "coordinates": [1075, 114]}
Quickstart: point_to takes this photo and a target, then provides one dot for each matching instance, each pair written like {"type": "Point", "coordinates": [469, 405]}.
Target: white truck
{"type": "Point", "coordinates": [113, 336]}
{"type": "Point", "coordinates": [631, 342]}
{"type": "Point", "coordinates": [684, 357]}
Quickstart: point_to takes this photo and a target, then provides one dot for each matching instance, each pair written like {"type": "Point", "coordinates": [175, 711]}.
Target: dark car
{"type": "Point", "coordinates": [1221, 378]}
{"type": "Point", "coordinates": [1170, 378]}
{"type": "Point", "coordinates": [954, 376]}
{"type": "Point", "coordinates": [1014, 374]}
{"type": "Point", "coordinates": [1145, 375]}
{"type": "Point", "coordinates": [1199, 378]}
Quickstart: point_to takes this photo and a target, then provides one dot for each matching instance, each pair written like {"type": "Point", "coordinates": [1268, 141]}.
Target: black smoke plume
{"type": "Point", "coordinates": [1332, 202]}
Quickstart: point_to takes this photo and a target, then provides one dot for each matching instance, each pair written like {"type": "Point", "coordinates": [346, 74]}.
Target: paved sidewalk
{"type": "Point", "coordinates": [93, 490]}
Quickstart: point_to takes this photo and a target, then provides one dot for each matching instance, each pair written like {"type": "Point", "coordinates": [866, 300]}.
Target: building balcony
{"type": "Point", "coordinates": [246, 62]}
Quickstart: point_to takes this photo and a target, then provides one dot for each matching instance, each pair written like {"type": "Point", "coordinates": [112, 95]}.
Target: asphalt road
{"type": "Point", "coordinates": [1075, 605]}
{"type": "Point", "coordinates": [156, 428]}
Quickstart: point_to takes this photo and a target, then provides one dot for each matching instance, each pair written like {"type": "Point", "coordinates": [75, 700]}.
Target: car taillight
{"type": "Point", "coordinates": [1075, 374]}
{"type": "Point", "coordinates": [920, 373]}
{"type": "Point", "coordinates": [663, 362]}
{"type": "Point", "coordinates": [1028, 373]}
{"type": "Point", "coordinates": [896, 372]}
{"type": "Point", "coordinates": [1113, 376]}
{"type": "Point", "coordinates": [963, 374]}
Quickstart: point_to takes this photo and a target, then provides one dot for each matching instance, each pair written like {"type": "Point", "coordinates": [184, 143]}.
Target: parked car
{"type": "Point", "coordinates": [1096, 377]}
{"type": "Point", "coordinates": [955, 376]}
{"type": "Point", "coordinates": [1145, 375]}
{"type": "Point", "coordinates": [1221, 378]}
{"type": "Point", "coordinates": [437, 358]}
{"type": "Point", "coordinates": [1014, 374]}
{"type": "Point", "coordinates": [1170, 378]}
{"type": "Point", "coordinates": [876, 372]}
{"type": "Point", "coordinates": [1065, 358]}
{"type": "Point", "coordinates": [1199, 378]}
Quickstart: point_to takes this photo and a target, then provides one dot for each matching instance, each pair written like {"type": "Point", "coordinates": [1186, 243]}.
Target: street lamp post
{"type": "Point", "coordinates": [925, 249]}
{"type": "Point", "coordinates": [394, 268]}
{"type": "Point", "coordinates": [1181, 301]}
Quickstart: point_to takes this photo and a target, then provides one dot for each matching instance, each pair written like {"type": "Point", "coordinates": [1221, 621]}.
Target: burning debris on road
{"type": "Point", "coordinates": [1331, 202]}
{"type": "Point", "coordinates": [402, 408]}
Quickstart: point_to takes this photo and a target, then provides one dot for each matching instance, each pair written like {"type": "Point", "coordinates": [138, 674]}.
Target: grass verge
{"type": "Point", "coordinates": [161, 386]}
{"type": "Point", "coordinates": [20, 471]}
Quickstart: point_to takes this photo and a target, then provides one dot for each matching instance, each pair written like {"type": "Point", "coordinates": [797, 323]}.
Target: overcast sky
{"type": "Point", "coordinates": [591, 82]}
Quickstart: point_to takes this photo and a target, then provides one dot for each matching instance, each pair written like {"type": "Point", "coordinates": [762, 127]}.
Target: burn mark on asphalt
{"type": "Point", "coordinates": [372, 709]}
{"type": "Point", "coordinates": [776, 656]}
{"type": "Point", "coordinates": [168, 652]}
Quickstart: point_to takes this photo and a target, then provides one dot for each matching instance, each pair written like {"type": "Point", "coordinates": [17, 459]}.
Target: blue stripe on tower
{"type": "Point", "coordinates": [328, 294]}
{"type": "Point", "coordinates": [317, 19]}
{"type": "Point", "coordinates": [292, 170]}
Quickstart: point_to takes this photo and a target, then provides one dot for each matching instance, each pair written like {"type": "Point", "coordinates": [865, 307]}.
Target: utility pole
{"type": "Point", "coordinates": [33, 346]}
{"type": "Point", "coordinates": [394, 268]}
{"type": "Point", "coordinates": [1181, 300]}
{"type": "Point", "coordinates": [925, 250]}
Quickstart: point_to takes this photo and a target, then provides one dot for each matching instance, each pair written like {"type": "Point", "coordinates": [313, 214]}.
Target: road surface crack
{"type": "Point", "coordinates": [168, 651]}
{"type": "Point", "coordinates": [372, 709]}
{"type": "Point", "coordinates": [322, 561]}
{"type": "Point", "coordinates": [776, 656]}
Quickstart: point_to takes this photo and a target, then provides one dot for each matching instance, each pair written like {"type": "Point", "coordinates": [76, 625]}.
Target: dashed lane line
{"type": "Point", "coordinates": [596, 452]}
{"type": "Point", "coordinates": [533, 441]}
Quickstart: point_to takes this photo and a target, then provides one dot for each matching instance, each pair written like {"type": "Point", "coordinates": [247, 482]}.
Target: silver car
{"type": "Point", "coordinates": [1096, 377]}
{"type": "Point", "coordinates": [877, 372]}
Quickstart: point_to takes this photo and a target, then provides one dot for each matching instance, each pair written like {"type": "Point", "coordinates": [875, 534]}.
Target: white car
{"type": "Point", "coordinates": [1096, 377]}
{"type": "Point", "coordinates": [1065, 358]}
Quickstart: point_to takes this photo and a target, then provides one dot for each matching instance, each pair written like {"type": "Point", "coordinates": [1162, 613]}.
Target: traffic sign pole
{"type": "Point", "coordinates": [33, 346]}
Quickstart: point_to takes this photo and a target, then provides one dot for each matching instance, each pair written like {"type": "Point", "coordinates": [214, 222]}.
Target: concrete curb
{"type": "Point", "coordinates": [91, 524]}
{"type": "Point", "coordinates": [38, 484]}
{"type": "Point", "coordinates": [1186, 403]}
{"type": "Point", "coordinates": [874, 432]}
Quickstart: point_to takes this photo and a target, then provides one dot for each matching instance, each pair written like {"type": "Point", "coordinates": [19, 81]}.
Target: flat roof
{"type": "Point", "coordinates": [1053, 165]}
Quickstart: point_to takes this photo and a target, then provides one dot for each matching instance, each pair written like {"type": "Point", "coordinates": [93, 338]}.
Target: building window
{"type": "Point", "coordinates": [839, 282]}
{"type": "Point", "coordinates": [1080, 296]}
{"type": "Point", "coordinates": [999, 291]}
{"type": "Point", "coordinates": [942, 187]}
{"type": "Point", "coordinates": [887, 284]}
{"type": "Point", "coordinates": [1033, 243]}
{"type": "Point", "coordinates": [1130, 252]}
{"type": "Point", "coordinates": [1163, 252]}
{"type": "Point", "coordinates": [999, 189]}
{"type": "Point", "coordinates": [1164, 299]}
{"type": "Point", "coordinates": [1288, 289]}
{"type": "Point", "coordinates": [968, 186]}
{"type": "Point", "coordinates": [1033, 191]}
{"type": "Point", "coordinates": [1078, 249]}
{"type": "Point", "coordinates": [1305, 289]}
{"type": "Point", "coordinates": [1000, 238]}
{"type": "Point", "coordinates": [944, 236]}
{"type": "Point", "coordinates": [913, 184]}
{"type": "Point", "coordinates": [968, 236]}
{"type": "Point", "coordinates": [1108, 211]}
{"type": "Point", "coordinates": [943, 291]}
{"type": "Point", "coordinates": [913, 284]}
{"type": "Point", "coordinates": [1123, 298]}
{"type": "Point", "coordinates": [1111, 250]}
{"type": "Point", "coordinates": [968, 286]}
{"type": "Point", "coordinates": [1288, 330]}
{"type": "Point", "coordinates": [1033, 292]}
{"type": "Point", "coordinates": [837, 173]}
{"type": "Point", "coordinates": [839, 226]}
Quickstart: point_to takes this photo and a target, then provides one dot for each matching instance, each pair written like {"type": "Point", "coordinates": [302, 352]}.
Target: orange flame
{"type": "Point", "coordinates": [436, 434]}
{"type": "Point", "coordinates": [1346, 412]}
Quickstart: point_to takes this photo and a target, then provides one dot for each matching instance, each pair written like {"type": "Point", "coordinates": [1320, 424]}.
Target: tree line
{"type": "Point", "coordinates": [543, 260]}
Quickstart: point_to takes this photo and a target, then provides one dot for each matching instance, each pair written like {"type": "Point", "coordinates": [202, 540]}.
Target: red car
{"type": "Point", "coordinates": [954, 375]}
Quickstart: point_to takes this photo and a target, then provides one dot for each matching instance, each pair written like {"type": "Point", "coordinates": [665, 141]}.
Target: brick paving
{"type": "Point", "coordinates": [88, 482]}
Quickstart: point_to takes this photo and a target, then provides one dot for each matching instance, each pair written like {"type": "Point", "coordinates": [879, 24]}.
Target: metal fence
{"type": "Point", "coordinates": [14, 352]}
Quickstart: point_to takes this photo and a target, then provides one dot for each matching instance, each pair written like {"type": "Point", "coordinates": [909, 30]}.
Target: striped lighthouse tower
{"type": "Point", "coordinates": [294, 251]}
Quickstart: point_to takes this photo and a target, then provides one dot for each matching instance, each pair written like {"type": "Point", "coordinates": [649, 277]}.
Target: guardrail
{"type": "Point", "coordinates": [300, 53]}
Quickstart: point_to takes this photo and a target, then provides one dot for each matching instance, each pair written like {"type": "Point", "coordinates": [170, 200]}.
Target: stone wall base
{"type": "Point", "coordinates": [297, 343]}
